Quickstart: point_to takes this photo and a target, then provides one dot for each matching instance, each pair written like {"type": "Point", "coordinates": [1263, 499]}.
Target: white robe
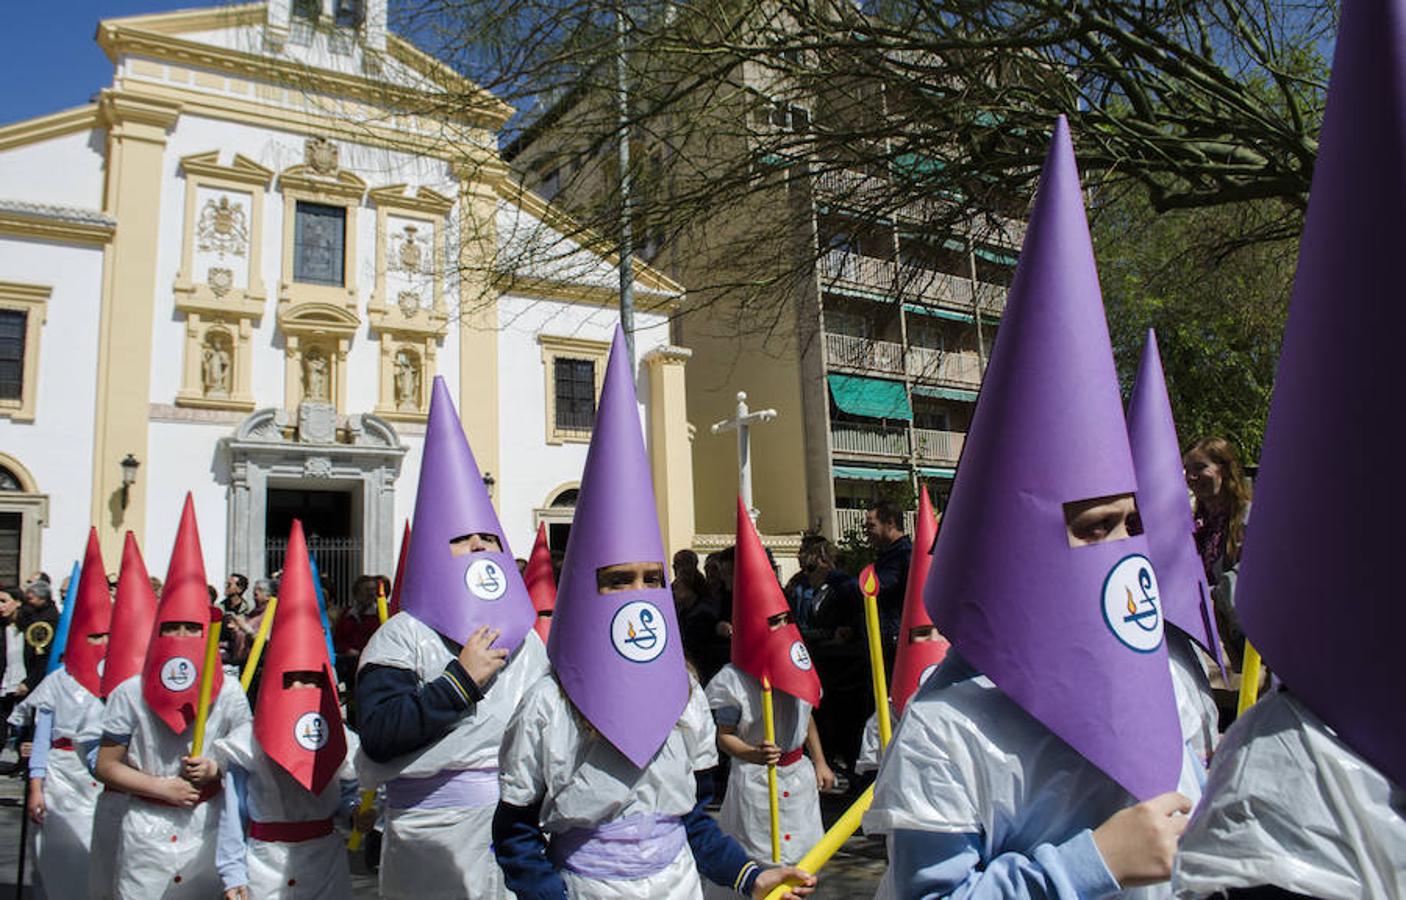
{"type": "Point", "coordinates": [61, 844]}
{"type": "Point", "coordinates": [166, 851]}
{"type": "Point", "coordinates": [1196, 707]}
{"type": "Point", "coordinates": [966, 759]}
{"type": "Point", "coordinates": [582, 781]}
{"type": "Point", "coordinates": [746, 812]}
{"type": "Point", "coordinates": [1287, 803]}
{"type": "Point", "coordinates": [314, 869]}
{"type": "Point", "coordinates": [445, 853]}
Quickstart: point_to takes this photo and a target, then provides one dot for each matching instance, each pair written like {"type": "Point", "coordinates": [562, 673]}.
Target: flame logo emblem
{"type": "Point", "coordinates": [1132, 606]}
{"type": "Point", "coordinates": [638, 631]}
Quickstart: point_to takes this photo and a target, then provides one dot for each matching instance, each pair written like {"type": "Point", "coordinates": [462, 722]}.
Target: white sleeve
{"type": "Point", "coordinates": [700, 734]}
{"type": "Point", "coordinates": [521, 757]}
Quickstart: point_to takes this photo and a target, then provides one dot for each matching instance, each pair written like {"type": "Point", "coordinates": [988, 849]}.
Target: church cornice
{"type": "Point", "coordinates": [47, 127]}
{"type": "Point", "coordinates": [471, 103]}
{"type": "Point", "coordinates": [48, 222]}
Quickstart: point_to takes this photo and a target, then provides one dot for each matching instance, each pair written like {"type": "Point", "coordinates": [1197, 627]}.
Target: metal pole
{"type": "Point", "coordinates": [627, 237]}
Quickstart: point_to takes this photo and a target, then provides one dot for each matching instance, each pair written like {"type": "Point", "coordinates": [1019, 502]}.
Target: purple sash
{"type": "Point", "coordinates": [633, 847]}
{"type": "Point", "coordinates": [449, 789]}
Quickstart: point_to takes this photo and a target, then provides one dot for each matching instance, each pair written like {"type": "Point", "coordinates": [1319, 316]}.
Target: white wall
{"type": "Point", "coordinates": [67, 170]}
{"type": "Point", "coordinates": [530, 468]}
{"type": "Point", "coordinates": [183, 456]}
{"type": "Point", "coordinates": [57, 447]}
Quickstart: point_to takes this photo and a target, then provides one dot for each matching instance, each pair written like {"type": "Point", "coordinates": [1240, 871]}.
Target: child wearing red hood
{"type": "Point", "coordinates": [167, 844]}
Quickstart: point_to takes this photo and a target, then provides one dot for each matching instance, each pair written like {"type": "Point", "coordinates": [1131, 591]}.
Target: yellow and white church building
{"type": "Point", "coordinates": [236, 273]}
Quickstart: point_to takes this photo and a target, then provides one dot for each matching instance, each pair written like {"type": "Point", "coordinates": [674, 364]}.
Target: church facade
{"type": "Point", "coordinates": [239, 269]}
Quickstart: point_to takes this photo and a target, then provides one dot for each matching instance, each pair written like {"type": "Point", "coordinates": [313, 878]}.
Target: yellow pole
{"type": "Point", "coordinates": [207, 683]}
{"type": "Point", "coordinates": [1249, 680]}
{"type": "Point", "coordinates": [830, 842]}
{"type": "Point", "coordinates": [869, 584]}
{"type": "Point", "coordinates": [769, 723]}
{"type": "Point", "coordinates": [369, 797]}
{"type": "Point", "coordinates": [251, 665]}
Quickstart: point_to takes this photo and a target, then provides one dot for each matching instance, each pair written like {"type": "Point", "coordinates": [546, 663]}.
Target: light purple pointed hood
{"type": "Point", "coordinates": [1316, 595]}
{"type": "Point", "coordinates": [1165, 506]}
{"type": "Point", "coordinates": [618, 656]}
{"type": "Point", "coordinates": [454, 595]}
{"type": "Point", "coordinates": [1071, 634]}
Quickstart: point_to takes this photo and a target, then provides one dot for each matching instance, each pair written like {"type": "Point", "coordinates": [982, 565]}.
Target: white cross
{"type": "Point", "coordinates": [742, 423]}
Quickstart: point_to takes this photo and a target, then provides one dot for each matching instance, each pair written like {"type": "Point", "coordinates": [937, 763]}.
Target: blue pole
{"type": "Point", "coordinates": [322, 610]}
{"type": "Point", "coordinates": [70, 598]}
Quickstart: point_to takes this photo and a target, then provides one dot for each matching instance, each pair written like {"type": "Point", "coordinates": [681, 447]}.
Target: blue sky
{"type": "Point", "coordinates": [48, 58]}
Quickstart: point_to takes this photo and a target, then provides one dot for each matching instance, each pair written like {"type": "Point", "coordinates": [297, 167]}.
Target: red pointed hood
{"type": "Point", "coordinates": [300, 728]}
{"type": "Point", "coordinates": [915, 660]}
{"type": "Point", "coordinates": [778, 656]}
{"type": "Point", "coordinates": [132, 618]}
{"type": "Point", "coordinates": [92, 616]}
{"type": "Point", "coordinates": [541, 583]}
{"type": "Point", "coordinates": [171, 672]}
{"type": "Point", "coordinates": [400, 570]}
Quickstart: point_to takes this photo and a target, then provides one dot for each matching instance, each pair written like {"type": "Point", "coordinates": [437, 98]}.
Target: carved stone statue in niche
{"type": "Point", "coordinates": [410, 256]}
{"type": "Point", "coordinates": [222, 228]}
{"type": "Point", "coordinates": [407, 382]}
{"type": "Point", "coordinates": [320, 155]}
{"type": "Point", "coordinates": [315, 376]}
{"type": "Point", "coordinates": [215, 369]}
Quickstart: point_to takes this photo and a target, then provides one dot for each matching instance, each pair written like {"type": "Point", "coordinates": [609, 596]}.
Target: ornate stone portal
{"type": "Point", "coordinates": [312, 449]}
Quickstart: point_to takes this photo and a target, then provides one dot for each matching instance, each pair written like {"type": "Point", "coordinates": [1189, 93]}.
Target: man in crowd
{"type": "Point", "coordinates": [883, 526]}
{"type": "Point", "coordinates": [235, 586]}
{"type": "Point", "coordinates": [12, 686]}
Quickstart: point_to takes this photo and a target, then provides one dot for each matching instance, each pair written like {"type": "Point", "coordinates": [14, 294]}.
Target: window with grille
{"type": "Point", "coordinates": [319, 244]}
{"type": "Point", "coordinates": [575, 393]}
{"type": "Point", "coordinates": [10, 523]}
{"type": "Point", "coordinates": [12, 329]}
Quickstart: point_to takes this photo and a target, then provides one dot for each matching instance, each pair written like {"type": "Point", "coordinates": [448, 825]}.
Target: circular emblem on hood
{"type": "Point", "coordinates": [486, 580]}
{"type": "Point", "coordinates": [178, 674]}
{"type": "Point", "coordinates": [800, 656]}
{"type": "Point", "coordinates": [638, 631]}
{"type": "Point", "coordinates": [1132, 604]}
{"type": "Point", "coordinates": [310, 731]}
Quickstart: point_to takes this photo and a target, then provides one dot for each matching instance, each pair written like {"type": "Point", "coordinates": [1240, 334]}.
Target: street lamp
{"type": "Point", "coordinates": [129, 475]}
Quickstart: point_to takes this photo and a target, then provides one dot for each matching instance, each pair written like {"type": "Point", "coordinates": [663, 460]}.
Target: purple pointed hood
{"type": "Point", "coordinates": [619, 656]}
{"type": "Point", "coordinates": [1165, 506]}
{"type": "Point", "coordinates": [1316, 596]}
{"type": "Point", "coordinates": [1071, 634]}
{"type": "Point", "coordinates": [454, 595]}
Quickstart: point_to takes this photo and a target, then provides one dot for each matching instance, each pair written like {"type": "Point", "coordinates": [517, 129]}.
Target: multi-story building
{"type": "Point", "coordinates": [862, 323]}
{"type": "Point", "coordinates": [237, 272]}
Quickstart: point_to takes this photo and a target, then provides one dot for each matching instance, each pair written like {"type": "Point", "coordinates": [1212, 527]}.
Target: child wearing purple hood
{"type": "Point", "coordinates": [603, 767]}
{"type": "Point", "coordinates": [1044, 756]}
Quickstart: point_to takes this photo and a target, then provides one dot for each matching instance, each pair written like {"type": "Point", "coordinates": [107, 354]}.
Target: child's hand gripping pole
{"type": "Point", "coordinates": [368, 798]}
{"type": "Point", "coordinates": [769, 724]}
{"type": "Point", "coordinates": [1249, 680]}
{"type": "Point", "coordinates": [260, 638]}
{"type": "Point", "coordinates": [869, 584]}
{"type": "Point", "coordinates": [207, 681]}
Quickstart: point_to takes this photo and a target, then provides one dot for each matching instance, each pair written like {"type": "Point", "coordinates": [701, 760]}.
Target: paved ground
{"type": "Point", "coordinates": [853, 873]}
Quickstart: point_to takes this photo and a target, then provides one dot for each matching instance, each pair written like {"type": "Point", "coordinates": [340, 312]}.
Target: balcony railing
{"type": "Point", "coordinates": [856, 269]}
{"type": "Point", "coordinates": [847, 520]}
{"type": "Point", "coordinates": [853, 440]}
{"type": "Point", "coordinates": [863, 353]}
{"type": "Point", "coordinates": [931, 445]}
{"type": "Point", "coordinates": [958, 369]}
